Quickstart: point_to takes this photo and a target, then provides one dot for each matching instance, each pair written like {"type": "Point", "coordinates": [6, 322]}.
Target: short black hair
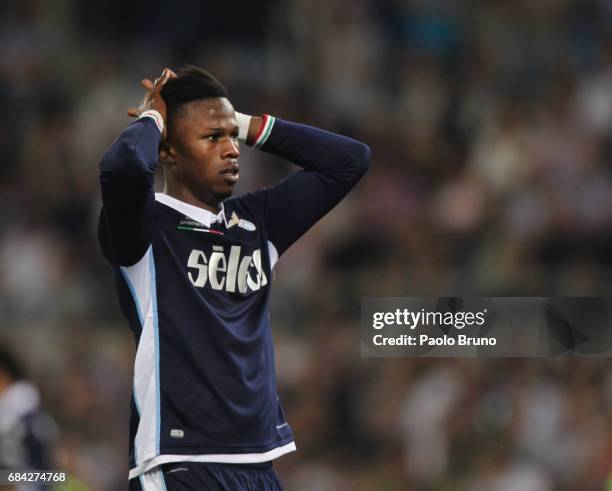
{"type": "Point", "coordinates": [191, 84]}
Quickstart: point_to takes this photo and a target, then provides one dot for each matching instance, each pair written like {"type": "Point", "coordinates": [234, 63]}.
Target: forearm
{"type": "Point", "coordinates": [254, 129]}
{"type": "Point", "coordinates": [127, 174]}
{"type": "Point", "coordinates": [311, 148]}
{"type": "Point", "coordinates": [132, 156]}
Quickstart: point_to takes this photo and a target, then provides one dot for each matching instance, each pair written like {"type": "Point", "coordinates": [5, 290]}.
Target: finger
{"type": "Point", "coordinates": [160, 78]}
{"type": "Point", "coordinates": [165, 76]}
{"type": "Point", "coordinates": [147, 84]}
{"type": "Point", "coordinates": [132, 112]}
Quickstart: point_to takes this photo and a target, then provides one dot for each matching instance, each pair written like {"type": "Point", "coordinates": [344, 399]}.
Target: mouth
{"type": "Point", "coordinates": [231, 173]}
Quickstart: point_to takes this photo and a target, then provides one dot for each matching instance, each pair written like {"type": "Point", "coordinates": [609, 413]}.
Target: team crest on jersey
{"type": "Point", "coordinates": [241, 222]}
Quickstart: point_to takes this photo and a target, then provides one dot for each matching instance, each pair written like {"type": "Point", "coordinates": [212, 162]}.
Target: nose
{"type": "Point", "coordinates": [230, 149]}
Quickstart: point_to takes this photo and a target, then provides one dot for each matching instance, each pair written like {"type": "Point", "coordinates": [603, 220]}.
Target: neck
{"type": "Point", "coordinates": [186, 196]}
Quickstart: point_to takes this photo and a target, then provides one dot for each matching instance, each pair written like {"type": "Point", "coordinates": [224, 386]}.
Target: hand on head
{"type": "Point", "coordinates": [153, 99]}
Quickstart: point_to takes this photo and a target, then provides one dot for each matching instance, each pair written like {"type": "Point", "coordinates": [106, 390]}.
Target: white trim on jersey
{"type": "Point", "coordinates": [273, 253]}
{"type": "Point", "coordinates": [205, 217]}
{"type": "Point", "coordinates": [141, 281]}
{"type": "Point", "coordinates": [245, 458]}
{"type": "Point", "coordinates": [153, 481]}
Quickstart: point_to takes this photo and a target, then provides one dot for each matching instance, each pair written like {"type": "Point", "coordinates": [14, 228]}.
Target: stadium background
{"type": "Point", "coordinates": [491, 125]}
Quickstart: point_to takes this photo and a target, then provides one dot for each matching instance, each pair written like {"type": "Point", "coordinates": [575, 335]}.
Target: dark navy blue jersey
{"type": "Point", "coordinates": [195, 287]}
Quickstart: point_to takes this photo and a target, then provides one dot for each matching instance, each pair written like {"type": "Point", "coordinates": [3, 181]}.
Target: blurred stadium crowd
{"type": "Point", "coordinates": [491, 127]}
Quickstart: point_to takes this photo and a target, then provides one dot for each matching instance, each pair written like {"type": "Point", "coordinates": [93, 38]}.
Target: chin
{"type": "Point", "coordinates": [213, 196]}
{"type": "Point", "coordinates": [224, 194]}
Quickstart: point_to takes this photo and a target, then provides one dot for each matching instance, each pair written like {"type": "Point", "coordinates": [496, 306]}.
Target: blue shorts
{"type": "Point", "coordinates": [189, 476]}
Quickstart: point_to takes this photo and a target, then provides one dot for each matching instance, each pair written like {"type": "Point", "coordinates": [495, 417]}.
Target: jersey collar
{"type": "Point", "coordinates": [205, 217]}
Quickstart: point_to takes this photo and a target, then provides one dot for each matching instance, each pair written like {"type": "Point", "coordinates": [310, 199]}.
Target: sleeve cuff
{"type": "Point", "coordinates": [264, 131]}
{"type": "Point", "coordinates": [155, 116]}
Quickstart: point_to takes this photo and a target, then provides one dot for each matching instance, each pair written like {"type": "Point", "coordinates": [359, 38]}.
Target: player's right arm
{"type": "Point", "coordinates": [127, 173]}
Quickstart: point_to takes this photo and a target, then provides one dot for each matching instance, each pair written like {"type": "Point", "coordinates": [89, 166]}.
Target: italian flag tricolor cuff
{"type": "Point", "coordinates": [264, 131]}
{"type": "Point", "coordinates": [155, 116]}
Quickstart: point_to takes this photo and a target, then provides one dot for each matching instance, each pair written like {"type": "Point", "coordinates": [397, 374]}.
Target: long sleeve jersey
{"type": "Point", "coordinates": [195, 288]}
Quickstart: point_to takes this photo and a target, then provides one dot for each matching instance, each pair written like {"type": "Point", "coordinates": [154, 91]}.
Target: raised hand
{"type": "Point", "coordinates": [153, 99]}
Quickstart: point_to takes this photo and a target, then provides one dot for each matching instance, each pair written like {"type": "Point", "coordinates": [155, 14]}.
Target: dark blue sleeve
{"type": "Point", "coordinates": [331, 166]}
{"type": "Point", "coordinates": [127, 174]}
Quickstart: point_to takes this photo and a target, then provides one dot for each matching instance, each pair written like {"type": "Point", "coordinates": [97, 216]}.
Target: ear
{"type": "Point", "coordinates": [166, 153]}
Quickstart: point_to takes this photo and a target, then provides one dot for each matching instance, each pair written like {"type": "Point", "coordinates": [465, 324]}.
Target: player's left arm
{"type": "Point", "coordinates": [331, 165]}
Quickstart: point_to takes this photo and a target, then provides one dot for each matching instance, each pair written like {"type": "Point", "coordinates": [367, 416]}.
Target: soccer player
{"type": "Point", "coordinates": [193, 273]}
{"type": "Point", "coordinates": [27, 432]}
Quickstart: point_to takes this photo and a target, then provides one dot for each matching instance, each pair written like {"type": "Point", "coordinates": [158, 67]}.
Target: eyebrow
{"type": "Point", "coordinates": [220, 130]}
